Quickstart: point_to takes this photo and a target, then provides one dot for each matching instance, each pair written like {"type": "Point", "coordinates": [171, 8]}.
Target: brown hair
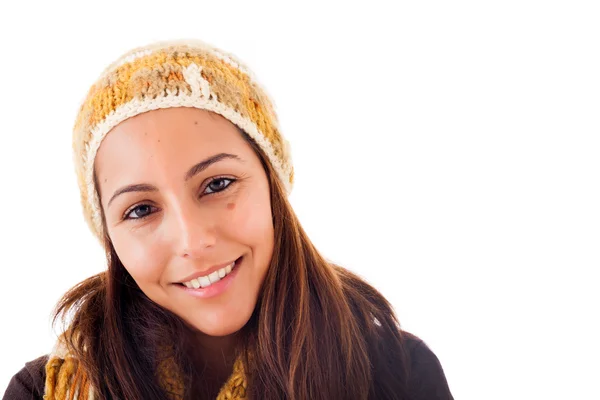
{"type": "Point", "coordinates": [318, 331]}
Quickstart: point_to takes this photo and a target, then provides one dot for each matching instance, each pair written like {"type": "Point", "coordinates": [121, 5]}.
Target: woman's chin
{"type": "Point", "coordinates": [218, 331]}
{"type": "Point", "coordinates": [219, 326]}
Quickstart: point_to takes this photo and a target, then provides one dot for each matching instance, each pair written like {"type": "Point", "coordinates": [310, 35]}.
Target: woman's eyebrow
{"type": "Point", "coordinates": [132, 188]}
{"type": "Point", "coordinates": [196, 169]}
{"type": "Point", "coordinates": [202, 165]}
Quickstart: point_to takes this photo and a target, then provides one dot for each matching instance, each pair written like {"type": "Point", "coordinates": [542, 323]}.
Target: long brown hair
{"type": "Point", "coordinates": [318, 331]}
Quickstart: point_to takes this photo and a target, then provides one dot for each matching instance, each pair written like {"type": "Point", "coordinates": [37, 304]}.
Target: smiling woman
{"type": "Point", "coordinates": [213, 289]}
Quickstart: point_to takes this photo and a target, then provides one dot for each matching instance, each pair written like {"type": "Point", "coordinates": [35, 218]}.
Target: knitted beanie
{"type": "Point", "coordinates": [169, 74]}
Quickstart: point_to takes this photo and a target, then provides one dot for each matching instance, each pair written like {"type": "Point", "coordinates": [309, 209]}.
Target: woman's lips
{"type": "Point", "coordinates": [216, 288]}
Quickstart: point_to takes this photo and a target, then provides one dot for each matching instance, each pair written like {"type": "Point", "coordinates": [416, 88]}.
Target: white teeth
{"type": "Point", "coordinates": [214, 277]}
{"type": "Point", "coordinates": [205, 281]}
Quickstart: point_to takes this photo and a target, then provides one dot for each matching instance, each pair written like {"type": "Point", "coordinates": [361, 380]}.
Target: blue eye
{"type": "Point", "coordinates": [218, 185]}
{"type": "Point", "coordinates": [138, 212]}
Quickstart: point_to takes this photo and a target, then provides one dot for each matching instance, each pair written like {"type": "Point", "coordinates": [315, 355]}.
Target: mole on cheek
{"type": "Point", "coordinates": [230, 206]}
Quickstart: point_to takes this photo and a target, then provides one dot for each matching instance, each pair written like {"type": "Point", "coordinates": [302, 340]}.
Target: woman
{"type": "Point", "coordinates": [213, 290]}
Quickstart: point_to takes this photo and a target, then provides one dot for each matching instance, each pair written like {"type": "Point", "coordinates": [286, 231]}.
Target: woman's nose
{"type": "Point", "coordinates": [193, 231]}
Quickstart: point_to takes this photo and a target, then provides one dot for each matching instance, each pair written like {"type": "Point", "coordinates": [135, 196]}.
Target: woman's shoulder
{"type": "Point", "coordinates": [427, 377]}
{"type": "Point", "coordinates": [28, 383]}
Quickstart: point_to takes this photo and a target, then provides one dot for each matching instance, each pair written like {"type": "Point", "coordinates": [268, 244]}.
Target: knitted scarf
{"type": "Point", "coordinates": [66, 379]}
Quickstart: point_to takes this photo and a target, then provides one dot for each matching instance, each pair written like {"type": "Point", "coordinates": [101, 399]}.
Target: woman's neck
{"type": "Point", "coordinates": [217, 354]}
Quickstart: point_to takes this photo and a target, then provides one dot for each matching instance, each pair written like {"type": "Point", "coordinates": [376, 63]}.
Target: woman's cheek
{"type": "Point", "coordinates": [241, 217]}
{"type": "Point", "coordinates": [142, 259]}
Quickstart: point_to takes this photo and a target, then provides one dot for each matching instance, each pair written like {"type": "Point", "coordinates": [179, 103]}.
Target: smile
{"type": "Point", "coordinates": [206, 281]}
{"type": "Point", "coordinates": [213, 284]}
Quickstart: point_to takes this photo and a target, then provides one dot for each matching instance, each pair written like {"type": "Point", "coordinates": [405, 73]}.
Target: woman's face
{"type": "Point", "coordinates": [184, 197]}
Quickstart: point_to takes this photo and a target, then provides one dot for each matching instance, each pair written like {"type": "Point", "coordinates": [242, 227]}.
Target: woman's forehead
{"type": "Point", "coordinates": [165, 141]}
{"type": "Point", "coordinates": [175, 132]}
{"type": "Point", "coordinates": [192, 125]}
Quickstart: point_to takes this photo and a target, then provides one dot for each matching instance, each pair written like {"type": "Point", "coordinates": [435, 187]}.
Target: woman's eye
{"type": "Point", "coordinates": [144, 210]}
{"type": "Point", "coordinates": [218, 185]}
{"type": "Point", "coordinates": [140, 211]}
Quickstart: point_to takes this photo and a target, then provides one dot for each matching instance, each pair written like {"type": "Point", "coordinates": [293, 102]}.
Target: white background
{"type": "Point", "coordinates": [446, 151]}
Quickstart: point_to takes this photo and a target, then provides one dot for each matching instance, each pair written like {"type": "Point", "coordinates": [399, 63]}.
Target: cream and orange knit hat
{"type": "Point", "coordinates": [188, 73]}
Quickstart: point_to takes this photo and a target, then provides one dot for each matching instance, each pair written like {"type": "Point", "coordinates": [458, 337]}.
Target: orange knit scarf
{"type": "Point", "coordinates": [66, 380]}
